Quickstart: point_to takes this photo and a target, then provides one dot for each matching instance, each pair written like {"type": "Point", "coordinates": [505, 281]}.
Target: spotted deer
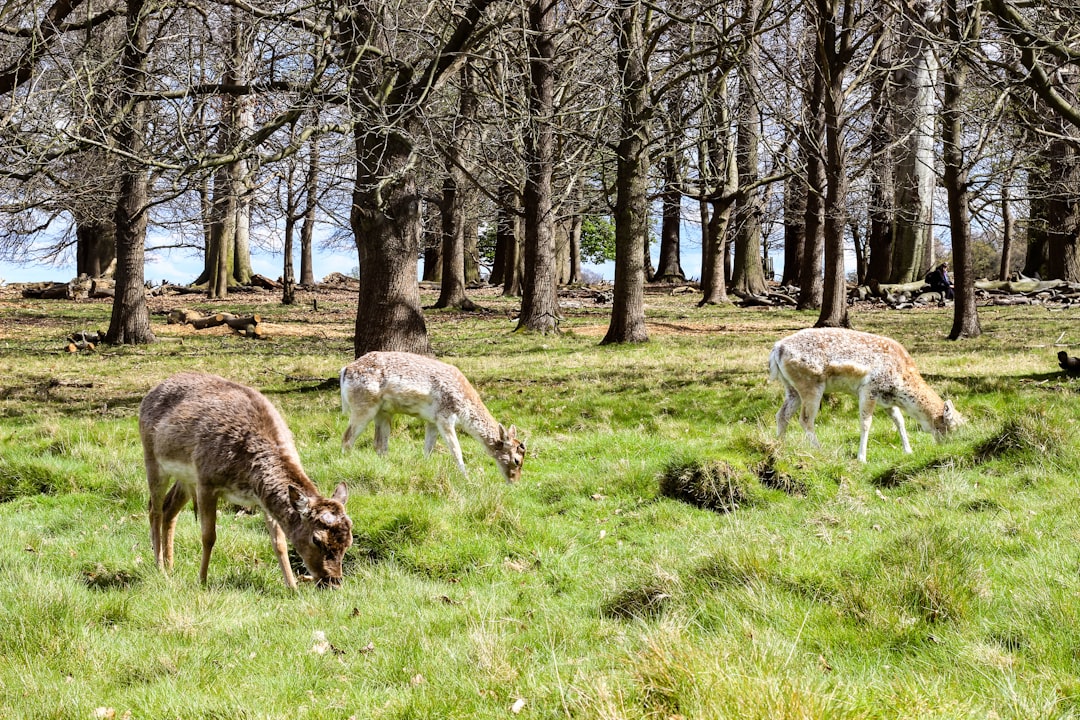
{"type": "Point", "coordinates": [875, 369]}
{"type": "Point", "coordinates": [215, 439]}
{"type": "Point", "coordinates": [379, 385]}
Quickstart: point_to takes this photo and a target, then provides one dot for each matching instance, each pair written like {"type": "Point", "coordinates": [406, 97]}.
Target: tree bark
{"type": "Point", "coordinates": [452, 292]}
{"type": "Point", "coordinates": [385, 221]}
{"type": "Point", "coordinates": [509, 232]}
{"type": "Point", "coordinates": [539, 302]}
{"type": "Point", "coordinates": [913, 245]}
{"type": "Point", "coordinates": [95, 245]}
{"type": "Point", "coordinates": [812, 146]}
{"type": "Point", "coordinates": [718, 156]}
{"type": "Point", "coordinates": [631, 182]}
{"type": "Point", "coordinates": [1008, 228]}
{"type": "Point", "coordinates": [833, 59]}
{"type": "Point", "coordinates": [954, 76]}
{"type": "Point", "coordinates": [130, 321]}
{"type": "Point", "coordinates": [882, 188]}
{"type": "Point", "coordinates": [311, 203]}
{"type": "Point", "coordinates": [794, 228]}
{"type": "Point", "coordinates": [747, 275]}
{"type": "Point", "coordinates": [668, 267]}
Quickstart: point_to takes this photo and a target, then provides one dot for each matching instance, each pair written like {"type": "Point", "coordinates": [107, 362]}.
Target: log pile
{"type": "Point", "coordinates": [81, 288]}
{"type": "Point", "coordinates": [1022, 291]}
{"type": "Point", "coordinates": [248, 326]}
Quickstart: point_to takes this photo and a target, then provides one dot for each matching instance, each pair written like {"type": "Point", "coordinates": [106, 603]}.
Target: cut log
{"type": "Point", "coordinates": [246, 326]}
{"type": "Point", "coordinates": [1019, 287]}
{"type": "Point", "coordinates": [210, 321]}
{"type": "Point", "coordinates": [182, 316]}
{"type": "Point", "coordinates": [265, 282]}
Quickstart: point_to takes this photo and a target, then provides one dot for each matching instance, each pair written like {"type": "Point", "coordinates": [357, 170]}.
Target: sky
{"type": "Point", "coordinates": [181, 267]}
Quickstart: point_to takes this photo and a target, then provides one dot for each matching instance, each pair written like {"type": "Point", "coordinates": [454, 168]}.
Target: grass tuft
{"type": "Point", "coordinates": [1029, 435]}
{"type": "Point", "coordinates": [100, 577]}
{"type": "Point", "coordinates": [646, 600]}
{"type": "Point", "coordinates": [711, 485]}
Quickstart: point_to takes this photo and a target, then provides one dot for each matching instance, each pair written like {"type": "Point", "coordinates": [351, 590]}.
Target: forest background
{"type": "Point", "coordinates": [406, 129]}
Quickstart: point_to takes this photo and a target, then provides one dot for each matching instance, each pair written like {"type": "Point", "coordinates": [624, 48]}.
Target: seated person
{"type": "Point", "coordinates": [939, 281]}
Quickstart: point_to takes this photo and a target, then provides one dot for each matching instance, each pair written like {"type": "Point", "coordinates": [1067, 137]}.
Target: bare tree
{"type": "Point", "coordinates": [539, 304]}
{"type": "Point", "coordinates": [130, 321]}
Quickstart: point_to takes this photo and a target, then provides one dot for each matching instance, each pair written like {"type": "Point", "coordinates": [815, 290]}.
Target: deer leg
{"type": "Point", "coordinates": [359, 418]}
{"type": "Point", "coordinates": [783, 416]}
{"type": "Point", "coordinates": [449, 436]}
{"type": "Point", "coordinates": [206, 501]}
{"type": "Point", "coordinates": [866, 416]}
{"type": "Point", "coordinates": [431, 433]}
{"type": "Point", "coordinates": [811, 401]}
{"type": "Point", "coordinates": [898, 420]}
{"type": "Point", "coordinates": [156, 486]}
{"type": "Point", "coordinates": [382, 433]}
{"type": "Point", "coordinates": [174, 503]}
{"type": "Point", "coordinates": [281, 549]}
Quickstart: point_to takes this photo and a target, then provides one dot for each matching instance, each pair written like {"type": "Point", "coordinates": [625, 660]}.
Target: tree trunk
{"type": "Point", "coordinates": [509, 230]}
{"type": "Point", "coordinates": [813, 149]}
{"type": "Point", "coordinates": [833, 61]}
{"type": "Point", "coordinates": [1008, 228]}
{"type": "Point", "coordinates": [386, 225]}
{"type": "Point", "coordinates": [631, 181]}
{"type": "Point", "coordinates": [794, 228]}
{"type": "Point", "coordinates": [539, 301]}
{"type": "Point", "coordinates": [452, 291]}
{"type": "Point", "coordinates": [1038, 218]}
{"type": "Point", "coordinates": [954, 76]}
{"type": "Point", "coordinates": [575, 247]}
{"type": "Point", "coordinates": [669, 268]}
{"type": "Point", "coordinates": [288, 278]}
{"type": "Point", "coordinates": [95, 245]}
{"type": "Point", "coordinates": [718, 156]}
{"type": "Point", "coordinates": [311, 200]}
{"type": "Point", "coordinates": [913, 245]}
{"type": "Point", "coordinates": [882, 188]}
{"type": "Point", "coordinates": [748, 277]}
{"type": "Point", "coordinates": [130, 321]}
{"type": "Point", "coordinates": [1063, 211]}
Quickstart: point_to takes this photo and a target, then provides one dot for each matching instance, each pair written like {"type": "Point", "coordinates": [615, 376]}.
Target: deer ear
{"type": "Point", "coordinates": [341, 493]}
{"type": "Point", "coordinates": [502, 432]}
{"type": "Point", "coordinates": [298, 500]}
{"type": "Point", "coordinates": [512, 432]}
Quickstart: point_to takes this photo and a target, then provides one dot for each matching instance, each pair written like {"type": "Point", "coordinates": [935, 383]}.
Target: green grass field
{"type": "Point", "coordinates": [944, 584]}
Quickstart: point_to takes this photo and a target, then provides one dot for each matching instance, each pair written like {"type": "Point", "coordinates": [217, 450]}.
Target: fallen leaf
{"type": "Point", "coordinates": [518, 706]}
{"type": "Point", "coordinates": [418, 679]}
{"type": "Point", "coordinates": [322, 645]}
{"type": "Point", "coordinates": [370, 647]}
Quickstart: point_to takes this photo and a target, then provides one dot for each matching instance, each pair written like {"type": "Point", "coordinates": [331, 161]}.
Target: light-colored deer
{"type": "Point", "coordinates": [379, 385]}
{"type": "Point", "coordinates": [221, 440]}
{"type": "Point", "coordinates": [875, 369]}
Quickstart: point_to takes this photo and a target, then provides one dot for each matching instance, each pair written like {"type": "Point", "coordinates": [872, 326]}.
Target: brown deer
{"type": "Point", "coordinates": [875, 369]}
{"type": "Point", "coordinates": [216, 439]}
{"type": "Point", "coordinates": [381, 384]}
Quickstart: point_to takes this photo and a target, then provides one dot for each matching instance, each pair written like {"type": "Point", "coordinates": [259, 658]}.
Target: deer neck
{"type": "Point", "coordinates": [272, 478]}
{"type": "Point", "coordinates": [480, 424]}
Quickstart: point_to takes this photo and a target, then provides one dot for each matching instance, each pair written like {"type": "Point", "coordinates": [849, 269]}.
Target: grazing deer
{"type": "Point", "coordinates": [875, 369]}
{"type": "Point", "coordinates": [218, 439]}
{"type": "Point", "coordinates": [381, 384]}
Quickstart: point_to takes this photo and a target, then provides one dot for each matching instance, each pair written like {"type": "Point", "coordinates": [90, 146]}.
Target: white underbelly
{"type": "Point", "coordinates": [185, 474]}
